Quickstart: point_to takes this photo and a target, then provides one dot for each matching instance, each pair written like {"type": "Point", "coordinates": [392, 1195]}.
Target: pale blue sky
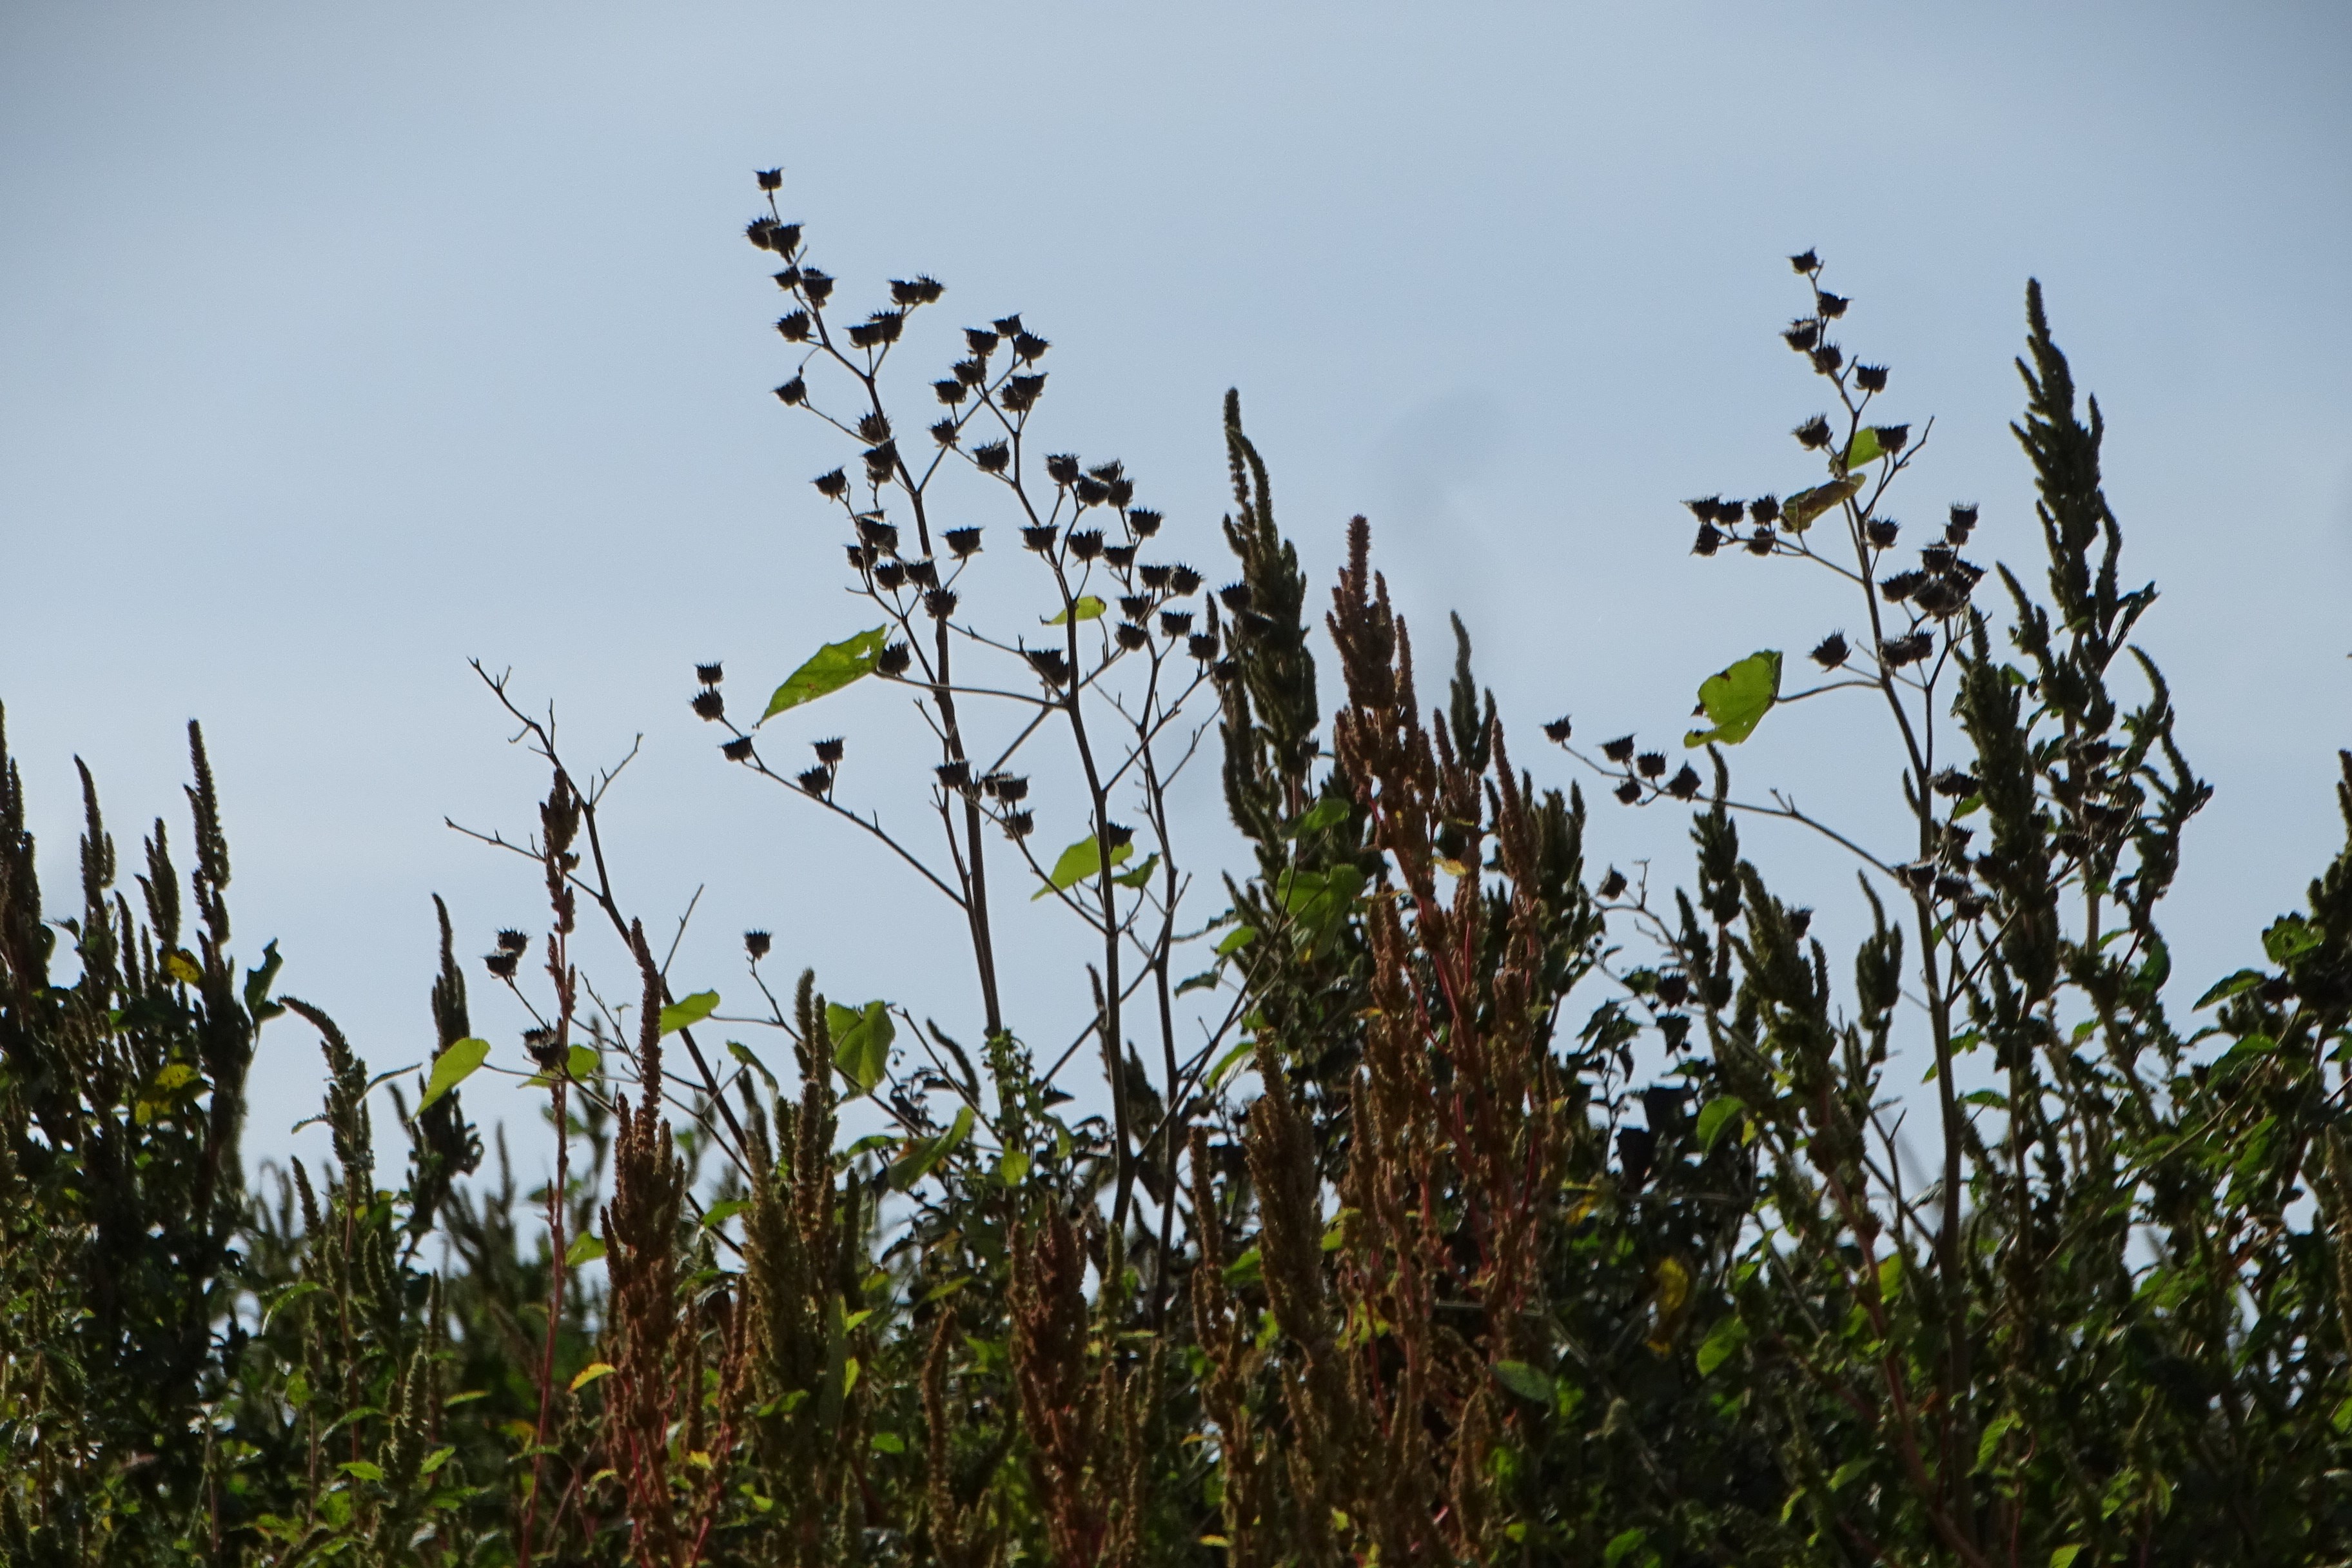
{"type": "Point", "coordinates": [343, 344]}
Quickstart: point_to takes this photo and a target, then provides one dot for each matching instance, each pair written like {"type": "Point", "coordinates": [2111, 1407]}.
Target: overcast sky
{"type": "Point", "coordinates": [345, 344]}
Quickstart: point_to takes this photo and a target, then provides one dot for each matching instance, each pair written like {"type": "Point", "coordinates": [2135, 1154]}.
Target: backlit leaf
{"type": "Point", "coordinates": [861, 1042]}
{"type": "Point", "coordinates": [585, 1248]}
{"type": "Point", "coordinates": [1085, 608]}
{"type": "Point", "coordinates": [1718, 1115]}
{"type": "Point", "coordinates": [1797, 513]}
{"type": "Point", "coordinates": [688, 1011]}
{"type": "Point", "coordinates": [1737, 698]}
{"type": "Point", "coordinates": [452, 1068]}
{"type": "Point", "coordinates": [1864, 449]}
{"type": "Point", "coordinates": [590, 1372]}
{"type": "Point", "coordinates": [1078, 862]}
{"type": "Point", "coordinates": [830, 669]}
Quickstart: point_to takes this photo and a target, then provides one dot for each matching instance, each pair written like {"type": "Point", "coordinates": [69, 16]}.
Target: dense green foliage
{"type": "Point", "coordinates": [1506, 1214]}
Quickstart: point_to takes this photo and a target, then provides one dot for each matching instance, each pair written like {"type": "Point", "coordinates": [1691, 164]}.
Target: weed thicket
{"type": "Point", "coordinates": [1382, 1250]}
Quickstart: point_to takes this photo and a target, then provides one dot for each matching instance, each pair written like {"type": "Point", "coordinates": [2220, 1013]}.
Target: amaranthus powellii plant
{"type": "Point", "coordinates": [1459, 1206]}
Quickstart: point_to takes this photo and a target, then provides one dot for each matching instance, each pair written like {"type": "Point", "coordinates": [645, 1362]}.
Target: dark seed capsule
{"type": "Point", "coordinates": [1558, 731]}
{"type": "Point", "coordinates": [1881, 532]}
{"type": "Point", "coordinates": [890, 575]}
{"type": "Point", "coordinates": [1175, 623]}
{"type": "Point", "coordinates": [834, 485]}
{"type": "Point", "coordinates": [1759, 542]}
{"type": "Point", "coordinates": [1020, 824]}
{"type": "Point", "coordinates": [1131, 636]}
{"type": "Point", "coordinates": [709, 674]}
{"type": "Point", "coordinates": [964, 542]}
{"type": "Point", "coordinates": [1871, 378]}
{"type": "Point", "coordinates": [758, 944]}
{"type": "Point", "coordinates": [1806, 262]}
{"type": "Point", "coordinates": [1901, 586]}
{"type": "Point", "coordinates": [1234, 596]}
{"type": "Point", "coordinates": [895, 659]}
{"type": "Point", "coordinates": [708, 704]}
{"type": "Point", "coordinates": [1202, 645]}
{"type": "Point", "coordinates": [1651, 764]}
{"type": "Point", "coordinates": [1832, 651]}
{"type": "Point", "coordinates": [1954, 783]}
{"type": "Point", "coordinates": [1831, 305]}
{"type": "Point", "coordinates": [737, 750]}
{"type": "Point", "coordinates": [1183, 582]}
{"type": "Point", "coordinates": [1086, 543]}
{"type": "Point", "coordinates": [1135, 607]}
{"type": "Point", "coordinates": [1120, 556]}
{"type": "Point", "coordinates": [1062, 468]}
{"type": "Point", "coordinates": [1629, 792]}
{"type": "Point", "coordinates": [992, 456]}
{"type": "Point", "coordinates": [501, 965]}
{"type": "Point", "coordinates": [513, 941]}
{"type": "Point", "coordinates": [1613, 885]}
{"type": "Point", "coordinates": [939, 604]}
{"type": "Point", "coordinates": [816, 781]}
{"type": "Point", "coordinates": [829, 750]}
{"type": "Point", "coordinates": [1684, 785]}
{"type": "Point", "coordinates": [1813, 432]}
{"type": "Point", "coordinates": [794, 391]}
{"type": "Point", "coordinates": [979, 340]}
{"type": "Point", "coordinates": [1765, 508]}
{"type": "Point", "coordinates": [1619, 750]}
{"type": "Point", "coordinates": [772, 179]}
{"type": "Point", "coordinates": [1709, 541]}
{"type": "Point", "coordinates": [954, 775]}
{"type": "Point", "coordinates": [1040, 538]}
{"type": "Point", "coordinates": [1144, 521]}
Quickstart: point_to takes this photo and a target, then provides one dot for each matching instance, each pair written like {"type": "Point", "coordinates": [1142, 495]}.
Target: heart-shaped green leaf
{"type": "Point", "coordinates": [1737, 698]}
{"type": "Point", "coordinates": [688, 1011]}
{"type": "Point", "coordinates": [861, 1042]}
{"type": "Point", "coordinates": [1078, 862]}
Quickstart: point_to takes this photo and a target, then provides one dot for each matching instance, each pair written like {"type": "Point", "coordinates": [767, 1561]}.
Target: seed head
{"type": "Point", "coordinates": [758, 944]}
{"type": "Point", "coordinates": [501, 965]}
{"type": "Point", "coordinates": [1202, 645]}
{"type": "Point", "coordinates": [708, 704]}
{"type": "Point", "coordinates": [861, 559]}
{"type": "Point", "coordinates": [1040, 538]}
{"type": "Point", "coordinates": [880, 535]}
{"type": "Point", "coordinates": [1091, 492]}
{"type": "Point", "coordinates": [1175, 623]}
{"type": "Point", "coordinates": [895, 659]}
{"type": "Point", "coordinates": [1020, 824]}
{"type": "Point", "coordinates": [1709, 541]}
{"type": "Point", "coordinates": [951, 391]}
{"type": "Point", "coordinates": [1183, 582]}
{"type": "Point", "coordinates": [1871, 378]}
{"type": "Point", "coordinates": [1892, 437]}
{"type": "Point", "coordinates": [1131, 636]}
{"type": "Point", "coordinates": [1029, 348]}
{"type": "Point", "coordinates": [1831, 305]}
{"type": "Point", "coordinates": [1951, 889]}
{"type": "Point", "coordinates": [1827, 357]}
{"type": "Point", "coordinates": [1705, 508]}
{"type": "Point", "coordinates": [772, 179]}
{"type": "Point", "coordinates": [1122, 492]}
{"type": "Point", "coordinates": [1813, 433]}
{"type": "Point", "coordinates": [762, 232]}
{"type": "Point", "coordinates": [789, 279]}
{"type": "Point", "coordinates": [513, 941]}
{"type": "Point", "coordinates": [1896, 652]}
{"type": "Point", "coordinates": [1901, 586]}
{"type": "Point", "coordinates": [1684, 785]}
{"type": "Point", "coordinates": [1802, 335]}
{"type": "Point", "coordinates": [1881, 532]}
{"type": "Point", "coordinates": [1955, 783]}
{"type": "Point", "coordinates": [1121, 556]}
{"type": "Point", "coordinates": [1832, 651]}
{"type": "Point", "coordinates": [1936, 557]}
{"type": "Point", "coordinates": [979, 340]}
{"type": "Point", "coordinates": [792, 392]}
{"type": "Point", "coordinates": [1765, 508]}
{"type": "Point", "coordinates": [1062, 468]}
{"type": "Point", "coordinates": [939, 604]}
{"type": "Point", "coordinates": [816, 781]}
{"type": "Point", "coordinates": [1611, 885]}
{"type": "Point", "coordinates": [992, 456]}
{"type": "Point", "coordinates": [1008, 326]}
{"type": "Point", "coordinates": [881, 461]}
{"type": "Point", "coordinates": [1236, 596]}
{"type": "Point", "coordinates": [1050, 665]}
{"type": "Point", "coordinates": [916, 291]}
{"type": "Point", "coordinates": [1619, 750]}
{"type": "Point", "coordinates": [1086, 543]}
{"type": "Point", "coordinates": [969, 371]}
{"type": "Point", "coordinates": [1761, 542]}
{"type": "Point", "coordinates": [1559, 731]}
{"type": "Point", "coordinates": [1806, 263]}
{"type": "Point", "coordinates": [964, 543]}
{"type": "Point", "coordinates": [946, 432]}
{"type": "Point", "coordinates": [834, 485]}
{"type": "Point", "coordinates": [738, 750]}
{"type": "Point", "coordinates": [1154, 577]}
{"type": "Point", "coordinates": [891, 575]}
{"type": "Point", "coordinates": [817, 286]}
{"type": "Point", "coordinates": [828, 751]}
{"type": "Point", "coordinates": [794, 326]}
{"type": "Point", "coordinates": [1916, 875]}
{"type": "Point", "coordinates": [1144, 521]}
{"type": "Point", "coordinates": [1651, 764]}
{"type": "Point", "coordinates": [954, 775]}
{"type": "Point", "coordinates": [1021, 393]}
{"type": "Point", "coordinates": [1011, 787]}
{"type": "Point", "coordinates": [1941, 597]}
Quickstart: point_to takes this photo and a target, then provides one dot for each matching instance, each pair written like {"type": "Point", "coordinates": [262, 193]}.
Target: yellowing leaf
{"type": "Point", "coordinates": [1085, 608]}
{"type": "Point", "coordinates": [590, 1372]}
{"type": "Point", "coordinates": [452, 1068]}
{"type": "Point", "coordinates": [183, 966]}
{"type": "Point", "coordinates": [830, 669]}
{"type": "Point", "coordinates": [1737, 698]}
{"type": "Point", "coordinates": [585, 1249]}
